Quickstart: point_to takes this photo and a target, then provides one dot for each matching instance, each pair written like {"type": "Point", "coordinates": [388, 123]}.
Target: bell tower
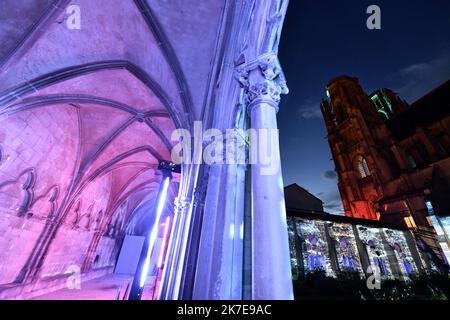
{"type": "Point", "coordinates": [355, 126]}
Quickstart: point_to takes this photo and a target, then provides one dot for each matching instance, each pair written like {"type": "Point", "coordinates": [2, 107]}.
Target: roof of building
{"type": "Point", "coordinates": [433, 106]}
{"type": "Point", "coordinates": [300, 188]}
{"type": "Point", "coordinates": [300, 199]}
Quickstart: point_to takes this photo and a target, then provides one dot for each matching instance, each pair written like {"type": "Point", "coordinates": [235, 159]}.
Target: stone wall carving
{"type": "Point", "coordinates": [45, 206]}
{"type": "Point", "coordinates": [28, 205]}
{"type": "Point", "coordinates": [117, 224]}
{"type": "Point", "coordinates": [27, 190]}
{"type": "Point", "coordinates": [267, 84]}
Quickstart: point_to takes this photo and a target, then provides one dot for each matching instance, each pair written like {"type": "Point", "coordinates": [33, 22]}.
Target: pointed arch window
{"type": "Point", "coordinates": [363, 168]}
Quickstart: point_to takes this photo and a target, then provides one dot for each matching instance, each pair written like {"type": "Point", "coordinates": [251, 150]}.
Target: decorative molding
{"type": "Point", "coordinates": [27, 186]}
{"type": "Point", "coordinates": [28, 193]}
{"type": "Point", "coordinates": [52, 197]}
{"type": "Point", "coordinates": [263, 80]}
{"type": "Point", "coordinates": [182, 205]}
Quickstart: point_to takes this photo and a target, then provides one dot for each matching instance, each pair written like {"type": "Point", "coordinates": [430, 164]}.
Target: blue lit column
{"type": "Point", "coordinates": [141, 273]}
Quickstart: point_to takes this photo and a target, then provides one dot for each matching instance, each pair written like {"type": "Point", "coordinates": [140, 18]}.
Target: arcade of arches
{"type": "Point", "coordinates": [87, 113]}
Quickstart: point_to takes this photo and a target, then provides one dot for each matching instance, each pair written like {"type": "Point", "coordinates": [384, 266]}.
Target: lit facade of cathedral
{"type": "Point", "coordinates": [392, 159]}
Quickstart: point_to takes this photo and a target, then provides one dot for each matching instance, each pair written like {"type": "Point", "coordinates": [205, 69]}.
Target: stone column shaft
{"type": "Point", "coordinates": [271, 277]}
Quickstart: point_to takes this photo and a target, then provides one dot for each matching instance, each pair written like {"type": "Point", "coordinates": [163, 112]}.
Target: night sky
{"type": "Point", "coordinates": [323, 39]}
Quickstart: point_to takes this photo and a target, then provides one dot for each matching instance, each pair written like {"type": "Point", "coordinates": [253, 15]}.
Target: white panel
{"type": "Point", "coordinates": [129, 255]}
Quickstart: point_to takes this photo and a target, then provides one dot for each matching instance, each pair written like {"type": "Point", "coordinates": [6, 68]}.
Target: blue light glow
{"type": "Point", "coordinates": [153, 234]}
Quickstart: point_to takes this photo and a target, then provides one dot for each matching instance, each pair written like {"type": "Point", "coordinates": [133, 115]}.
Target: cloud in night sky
{"type": "Point", "coordinates": [310, 109]}
{"type": "Point", "coordinates": [330, 175]}
{"type": "Point", "coordinates": [421, 78]}
{"type": "Point", "coordinates": [332, 202]}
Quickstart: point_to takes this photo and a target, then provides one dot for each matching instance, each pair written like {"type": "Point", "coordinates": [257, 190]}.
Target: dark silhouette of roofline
{"type": "Point", "coordinates": [295, 184]}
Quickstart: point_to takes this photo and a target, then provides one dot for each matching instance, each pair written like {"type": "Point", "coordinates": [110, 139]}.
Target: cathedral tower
{"type": "Point", "coordinates": [356, 129]}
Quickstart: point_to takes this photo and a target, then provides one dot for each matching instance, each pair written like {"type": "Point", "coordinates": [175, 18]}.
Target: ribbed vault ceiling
{"type": "Point", "coordinates": [116, 89]}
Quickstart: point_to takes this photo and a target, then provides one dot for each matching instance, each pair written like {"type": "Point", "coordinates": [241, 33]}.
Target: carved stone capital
{"type": "Point", "coordinates": [263, 80]}
{"type": "Point", "coordinates": [182, 204]}
{"type": "Point", "coordinates": [265, 91]}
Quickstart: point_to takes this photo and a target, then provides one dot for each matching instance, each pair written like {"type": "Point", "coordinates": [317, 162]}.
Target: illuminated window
{"type": "Point", "coordinates": [410, 223]}
{"type": "Point", "coordinates": [363, 169]}
{"type": "Point", "coordinates": [376, 101]}
{"type": "Point", "coordinates": [379, 105]}
{"type": "Point", "coordinates": [328, 94]}
{"type": "Point", "coordinates": [388, 102]}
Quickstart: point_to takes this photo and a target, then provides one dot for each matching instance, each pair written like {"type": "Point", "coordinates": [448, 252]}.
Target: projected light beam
{"type": "Point", "coordinates": [154, 232]}
{"type": "Point", "coordinates": [140, 276]}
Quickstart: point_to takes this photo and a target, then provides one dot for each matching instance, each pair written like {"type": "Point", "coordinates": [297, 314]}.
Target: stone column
{"type": "Point", "coordinates": [192, 246]}
{"type": "Point", "coordinates": [411, 242]}
{"type": "Point", "coordinates": [331, 249]}
{"type": "Point", "coordinates": [263, 84]}
{"type": "Point", "coordinates": [171, 265]}
{"type": "Point", "coordinates": [362, 251]}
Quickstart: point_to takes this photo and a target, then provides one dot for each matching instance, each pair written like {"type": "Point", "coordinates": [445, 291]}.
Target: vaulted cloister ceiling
{"type": "Point", "coordinates": [86, 115]}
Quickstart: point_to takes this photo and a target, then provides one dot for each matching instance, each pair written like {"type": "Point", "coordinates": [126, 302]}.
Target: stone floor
{"type": "Point", "coordinates": [109, 287]}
